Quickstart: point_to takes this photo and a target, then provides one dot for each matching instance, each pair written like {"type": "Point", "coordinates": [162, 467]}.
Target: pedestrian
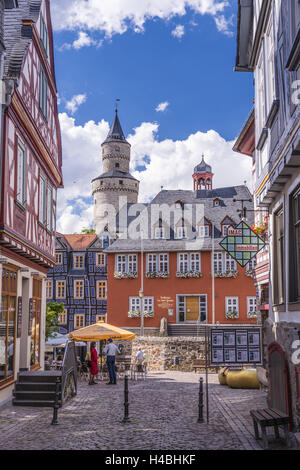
{"type": "Point", "coordinates": [111, 350]}
{"type": "Point", "coordinates": [94, 364]}
{"type": "Point", "coordinates": [139, 356]}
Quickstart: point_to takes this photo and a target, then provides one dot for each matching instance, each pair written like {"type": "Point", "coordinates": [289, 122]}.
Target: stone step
{"type": "Point", "coordinates": [32, 403]}
{"type": "Point", "coordinates": [39, 376]}
{"type": "Point", "coordinates": [186, 330]}
{"type": "Point", "coordinates": [36, 386]}
{"type": "Point", "coordinates": [34, 395]}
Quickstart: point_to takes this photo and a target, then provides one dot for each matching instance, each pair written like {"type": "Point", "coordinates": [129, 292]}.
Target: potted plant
{"type": "Point", "coordinates": [232, 314]}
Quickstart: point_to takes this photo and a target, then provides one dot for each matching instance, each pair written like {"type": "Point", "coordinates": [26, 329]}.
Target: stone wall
{"type": "Point", "coordinates": [284, 334]}
{"type": "Point", "coordinates": [161, 352]}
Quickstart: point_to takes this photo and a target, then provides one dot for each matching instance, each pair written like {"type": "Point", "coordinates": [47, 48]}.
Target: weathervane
{"type": "Point", "coordinates": [117, 104]}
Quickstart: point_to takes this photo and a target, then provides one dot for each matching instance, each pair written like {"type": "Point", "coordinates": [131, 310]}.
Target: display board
{"type": "Point", "coordinates": [242, 243]}
{"type": "Point", "coordinates": [236, 345]}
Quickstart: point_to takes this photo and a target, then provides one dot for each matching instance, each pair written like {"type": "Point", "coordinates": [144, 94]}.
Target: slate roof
{"type": "Point", "coordinates": [16, 36]}
{"type": "Point", "coordinates": [115, 174]}
{"type": "Point", "coordinates": [215, 215]}
{"type": "Point", "coordinates": [203, 167]}
{"type": "Point", "coordinates": [115, 133]}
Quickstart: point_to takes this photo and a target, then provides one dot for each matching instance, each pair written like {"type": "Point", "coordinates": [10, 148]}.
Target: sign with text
{"type": "Point", "coordinates": [19, 318]}
{"type": "Point", "coordinates": [236, 346]}
{"type": "Point", "coordinates": [165, 302]}
{"type": "Point", "coordinates": [242, 243]}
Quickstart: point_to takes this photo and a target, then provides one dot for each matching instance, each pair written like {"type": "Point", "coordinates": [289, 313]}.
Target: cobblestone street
{"type": "Point", "coordinates": [163, 411]}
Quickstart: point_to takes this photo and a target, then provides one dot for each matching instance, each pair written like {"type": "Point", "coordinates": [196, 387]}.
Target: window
{"type": "Point", "coordinates": [251, 306]}
{"type": "Point", "coordinates": [232, 304]}
{"type": "Point", "coordinates": [225, 229]}
{"type": "Point", "coordinates": [62, 318]}
{"type": "Point", "coordinates": [42, 200]}
{"type": "Point", "coordinates": [181, 232]}
{"type": "Point", "coordinates": [49, 208]}
{"type": "Point", "coordinates": [295, 247]}
{"type": "Point", "coordinates": [159, 232]}
{"type": "Point", "coordinates": [135, 304]}
{"type": "Point", "coordinates": [101, 290]}
{"type": "Point", "coordinates": [100, 259]}
{"type": "Point", "coordinates": [203, 231]}
{"type": "Point", "coordinates": [58, 258]}
{"type": "Point", "coordinates": [260, 95]}
{"type": "Point", "coordinates": [49, 289]}
{"type": "Point", "coordinates": [36, 322]}
{"type": "Point", "coordinates": [278, 266]}
{"type": "Point", "coordinates": [78, 261]}
{"type": "Point", "coordinates": [44, 36]}
{"type": "Point", "coordinates": [126, 263]}
{"type": "Point", "coordinates": [223, 262]}
{"type": "Point", "coordinates": [78, 289]}
{"type": "Point", "coordinates": [158, 263]}
{"type": "Point", "coordinates": [43, 92]}
{"type": "Point", "coordinates": [188, 262]}
{"type": "Point", "coordinates": [100, 318]}
{"type": "Point", "coordinates": [60, 289]}
{"type": "Point", "coordinates": [78, 321]}
{"type": "Point", "coordinates": [8, 319]}
{"type": "Point", "coordinates": [21, 175]}
{"type": "Point", "coordinates": [270, 67]}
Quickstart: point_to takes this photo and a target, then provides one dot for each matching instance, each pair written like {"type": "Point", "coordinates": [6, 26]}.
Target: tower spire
{"type": "Point", "coordinates": [115, 133]}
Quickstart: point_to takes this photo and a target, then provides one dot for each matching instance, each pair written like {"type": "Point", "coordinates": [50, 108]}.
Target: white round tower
{"type": "Point", "coordinates": [116, 186]}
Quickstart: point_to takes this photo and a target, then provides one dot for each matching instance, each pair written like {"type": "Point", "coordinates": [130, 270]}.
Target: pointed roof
{"type": "Point", "coordinates": [116, 133]}
{"type": "Point", "coordinates": [203, 167]}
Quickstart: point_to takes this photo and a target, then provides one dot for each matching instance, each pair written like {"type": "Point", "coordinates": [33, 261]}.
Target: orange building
{"type": "Point", "coordinates": [174, 270]}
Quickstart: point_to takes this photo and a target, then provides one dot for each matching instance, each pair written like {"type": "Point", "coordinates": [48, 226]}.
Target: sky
{"type": "Point", "coordinates": [170, 62]}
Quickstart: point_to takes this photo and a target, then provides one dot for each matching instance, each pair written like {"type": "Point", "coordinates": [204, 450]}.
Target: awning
{"type": "Point", "coordinates": [100, 331]}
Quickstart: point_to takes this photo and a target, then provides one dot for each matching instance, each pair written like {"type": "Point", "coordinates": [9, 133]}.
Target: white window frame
{"type": "Point", "coordinates": [224, 262]}
{"type": "Point", "coordinates": [189, 262]}
{"type": "Point", "coordinates": [81, 318]}
{"type": "Point", "coordinates": [126, 263]}
{"type": "Point", "coordinates": [158, 262]}
{"type": "Point", "coordinates": [251, 305]}
{"type": "Point", "coordinates": [159, 233]}
{"type": "Point", "coordinates": [181, 232]}
{"type": "Point", "coordinates": [232, 303]}
{"type": "Point", "coordinates": [203, 231]}
{"type": "Point", "coordinates": [21, 174]}
{"type": "Point", "coordinates": [225, 228]}
{"type": "Point", "coordinates": [135, 304]}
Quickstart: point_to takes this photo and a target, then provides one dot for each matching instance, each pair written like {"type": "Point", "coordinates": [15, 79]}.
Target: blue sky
{"type": "Point", "coordinates": [185, 61]}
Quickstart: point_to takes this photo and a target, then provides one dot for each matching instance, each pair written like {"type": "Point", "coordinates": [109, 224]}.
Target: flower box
{"type": "Point", "coordinates": [157, 275]}
{"type": "Point", "coordinates": [119, 275]}
{"type": "Point", "coordinates": [232, 315]}
{"type": "Point", "coordinates": [189, 274]}
{"type": "Point", "coordinates": [252, 315]}
{"type": "Point", "coordinates": [137, 314]}
{"type": "Point", "coordinates": [226, 274]}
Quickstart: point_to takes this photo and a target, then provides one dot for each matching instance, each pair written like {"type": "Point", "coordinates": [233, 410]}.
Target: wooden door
{"type": "Point", "coordinates": [192, 309]}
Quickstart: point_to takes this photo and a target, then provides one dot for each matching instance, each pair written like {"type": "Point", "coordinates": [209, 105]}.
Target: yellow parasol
{"type": "Point", "coordinates": [100, 331]}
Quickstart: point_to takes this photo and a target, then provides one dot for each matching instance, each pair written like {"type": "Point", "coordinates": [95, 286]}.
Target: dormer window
{"type": "Point", "coordinates": [217, 202]}
{"type": "Point", "coordinates": [159, 229]}
{"type": "Point", "coordinates": [204, 228]}
{"type": "Point", "coordinates": [225, 224]}
{"type": "Point", "coordinates": [178, 205]}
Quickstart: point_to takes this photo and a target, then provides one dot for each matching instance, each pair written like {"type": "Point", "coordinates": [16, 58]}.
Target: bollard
{"type": "Point", "coordinates": [200, 405]}
{"type": "Point", "coordinates": [126, 402]}
{"type": "Point", "coordinates": [56, 404]}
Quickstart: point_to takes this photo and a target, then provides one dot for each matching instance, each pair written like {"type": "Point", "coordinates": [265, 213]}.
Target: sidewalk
{"type": "Point", "coordinates": [163, 411]}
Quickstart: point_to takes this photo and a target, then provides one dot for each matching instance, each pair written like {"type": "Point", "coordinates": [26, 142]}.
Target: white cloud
{"type": "Point", "coordinates": [178, 32]}
{"type": "Point", "coordinates": [75, 102]}
{"type": "Point", "coordinates": [83, 40]}
{"type": "Point", "coordinates": [162, 106]}
{"type": "Point", "coordinates": [171, 164]}
{"type": "Point", "coordinates": [224, 24]}
{"type": "Point", "coordinates": [117, 16]}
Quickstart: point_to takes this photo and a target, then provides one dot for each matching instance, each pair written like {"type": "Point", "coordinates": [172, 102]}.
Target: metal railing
{"type": "Point", "coordinates": [69, 372]}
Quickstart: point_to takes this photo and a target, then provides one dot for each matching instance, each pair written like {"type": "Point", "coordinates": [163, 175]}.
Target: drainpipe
{"type": "Point", "coordinates": [2, 94]}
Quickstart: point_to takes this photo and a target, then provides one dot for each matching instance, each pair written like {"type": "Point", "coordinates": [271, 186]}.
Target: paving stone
{"type": "Point", "coordinates": [163, 411]}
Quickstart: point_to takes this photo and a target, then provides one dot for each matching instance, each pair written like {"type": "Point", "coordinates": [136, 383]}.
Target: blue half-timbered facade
{"type": "Point", "coordinates": [79, 280]}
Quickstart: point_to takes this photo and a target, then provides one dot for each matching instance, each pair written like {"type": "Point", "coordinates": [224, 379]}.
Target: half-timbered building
{"type": "Point", "coordinates": [79, 280]}
{"type": "Point", "coordinates": [30, 175]}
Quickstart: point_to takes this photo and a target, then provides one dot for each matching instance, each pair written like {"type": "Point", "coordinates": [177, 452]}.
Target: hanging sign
{"type": "Point", "coordinates": [19, 318]}
{"type": "Point", "coordinates": [242, 243]}
{"type": "Point", "coordinates": [30, 318]}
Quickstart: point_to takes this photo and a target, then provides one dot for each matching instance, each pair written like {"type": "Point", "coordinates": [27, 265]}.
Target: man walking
{"type": "Point", "coordinates": [111, 350]}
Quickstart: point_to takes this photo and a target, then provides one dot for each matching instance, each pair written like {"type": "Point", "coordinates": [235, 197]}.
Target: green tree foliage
{"type": "Point", "coordinates": [52, 312]}
{"type": "Point", "coordinates": [88, 231]}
